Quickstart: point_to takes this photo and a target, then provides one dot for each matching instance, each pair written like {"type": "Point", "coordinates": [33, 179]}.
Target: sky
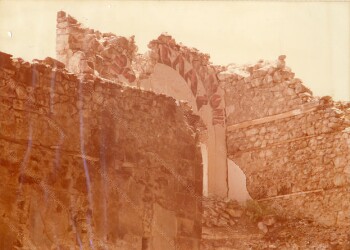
{"type": "Point", "coordinates": [315, 36]}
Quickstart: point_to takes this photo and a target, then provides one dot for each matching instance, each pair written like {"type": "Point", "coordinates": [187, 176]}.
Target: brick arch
{"type": "Point", "coordinates": [195, 69]}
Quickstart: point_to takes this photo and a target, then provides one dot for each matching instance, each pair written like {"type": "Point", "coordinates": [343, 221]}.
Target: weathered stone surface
{"type": "Point", "coordinates": [293, 147]}
{"type": "Point", "coordinates": [88, 163]}
{"type": "Point", "coordinates": [94, 172]}
{"type": "Point", "coordinates": [263, 227]}
{"type": "Point", "coordinates": [85, 51]}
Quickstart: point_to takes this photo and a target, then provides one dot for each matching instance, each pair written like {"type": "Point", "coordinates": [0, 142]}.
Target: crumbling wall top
{"type": "Point", "coordinates": [86, 51]}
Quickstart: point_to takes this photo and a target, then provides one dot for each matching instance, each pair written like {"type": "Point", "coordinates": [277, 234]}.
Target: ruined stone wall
{"type": "Point", "coordinates": [168, 68]}
{"type": "Point", "coordinates": [195, 69]}
{"type": "Point", "coordinates": [84, 50]}
{"type": "Point", "coordinates": [94, 164]}
{"type": "Point", "coordinates": [266, 112]}
{"type": "Point", "coordinates": [293, 147]}
{"type": "Point", "coordinates": [186, 74]}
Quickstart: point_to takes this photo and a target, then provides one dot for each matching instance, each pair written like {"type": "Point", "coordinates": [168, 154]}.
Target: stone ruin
{"type": "Point", "coordinates": [105, 148]}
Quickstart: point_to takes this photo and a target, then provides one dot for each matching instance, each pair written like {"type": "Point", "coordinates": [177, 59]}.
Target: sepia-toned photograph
{"type": "Point", "coordinates": [174, 125]}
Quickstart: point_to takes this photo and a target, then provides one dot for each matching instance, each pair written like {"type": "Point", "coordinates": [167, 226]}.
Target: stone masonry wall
{"type": "Point", "coordinates": [87, 162]}
{"type": "Point", "coordinates": [294, 148]}
{"type": "Point", "coordinates": [94, 164]}
{"type": "Point", "coordinates": [186, 74]}
{"type": "Point", "coordinates": [84, 50]}
{"type": "Point", "coordinates": [88, 53]}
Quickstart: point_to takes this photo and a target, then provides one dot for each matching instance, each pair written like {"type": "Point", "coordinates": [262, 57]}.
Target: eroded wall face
{"type": "Point", "coordinates": [89, 163]}
{"type": "Point", "coordinates": [85, 51]}
{"type": "Point", "coordinates": [293, 148]}
{"type": "Point", "coordinates": [168, 68]}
